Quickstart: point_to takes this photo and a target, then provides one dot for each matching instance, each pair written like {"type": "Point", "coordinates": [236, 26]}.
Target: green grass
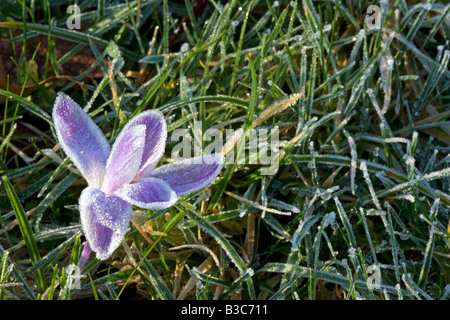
{"type": "Point", "coordinates": [362, 189]}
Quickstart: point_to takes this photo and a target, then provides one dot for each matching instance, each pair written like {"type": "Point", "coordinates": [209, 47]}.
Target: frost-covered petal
{"type": "Point", "coordinates": [81, 139]}
{"type": "Point", "coordinates": [155, 138]}
{"type": "Point", "coordinates": [190, 175]}
{"type": "Point", "coordinates": [125, 158]}
{"type": "Point", "coordinates": [148, 193]}
{"type": "Point", "coordinates": [104, 219]}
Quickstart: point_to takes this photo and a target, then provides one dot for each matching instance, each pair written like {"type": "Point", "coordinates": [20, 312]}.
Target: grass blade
{"type": "Point", "coordinates": [26, 231]}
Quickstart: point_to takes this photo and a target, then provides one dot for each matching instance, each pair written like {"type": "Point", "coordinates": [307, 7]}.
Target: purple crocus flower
{"type": "Point", "coordinates": [126, 175]}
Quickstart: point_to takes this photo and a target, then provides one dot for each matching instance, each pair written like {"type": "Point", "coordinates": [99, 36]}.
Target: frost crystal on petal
{"type": "Point", "coordinates": [155, 139]}
{"type": "Point", "coordinates": [125, 158]}
{"type": "Point", "coordinates": [149, 193]}
{"type": "Point", "coordinates": [190, 175]}
{"type": "Point", "coordinates": [104, 219]}
{"type": "Point", "coordinates": [81, 139]}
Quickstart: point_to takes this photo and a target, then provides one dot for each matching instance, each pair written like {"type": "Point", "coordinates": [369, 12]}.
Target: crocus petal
{"type": "Point", "coordinates": [104, 219]}
{"type": "Point", "coordinates": [148, 193]}
{"type": "Point", "coordinates": [125, 158]}
{"type": "Point", "coordinates": [84, 255]}
{"type": "Point", "coordinates": [155, 139]}
{"type": "Point", "coordinates": [81, 139]}
{"type": "Point", "coordinates": [190, 175]}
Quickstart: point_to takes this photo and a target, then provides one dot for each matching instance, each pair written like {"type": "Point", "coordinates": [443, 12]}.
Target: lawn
{"type": "Point", "coordinates": [332, 118]}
